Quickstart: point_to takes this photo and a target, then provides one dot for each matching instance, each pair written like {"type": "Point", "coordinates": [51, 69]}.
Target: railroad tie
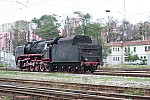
{"type": "Point", "coordinates": [22, 97]}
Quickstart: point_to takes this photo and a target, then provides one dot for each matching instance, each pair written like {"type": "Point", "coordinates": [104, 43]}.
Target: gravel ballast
{"type": "Point", "coordinates": [80, 78]}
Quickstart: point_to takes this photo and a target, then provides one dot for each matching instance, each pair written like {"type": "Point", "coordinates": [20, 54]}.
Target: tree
{"type": "Point", "coordinates": [20, 29]}
{"type": "Point", "coordinates": [84, 19]}
{"type": "Point", "coordinates": [106, 51]}
{"type": "Point", "coordinates": [144, 30]}
{"type": "Point", "coordinates": [47, 26]}
{"type": "Point", "coordinates": [92, 29]}
{"type": "Point", "coordinates": [135, 57]}
{"type": "Point", "coordinates": [111, 26]}
{"type": "Point", "coordinates": [126, 30]}
{"type": "Point", "coordinates": [130, 56]}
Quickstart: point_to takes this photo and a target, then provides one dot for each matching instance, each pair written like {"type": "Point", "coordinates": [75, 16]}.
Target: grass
{"type": "Point", "coordinates": [107, 78]}
{"type": "Point", "coordinates": [1, 65]}
{"type": "Point", "coordinates": [138, 92]}
{"type": "Point", "coordinates": [7, 72]}
{"type": "Point", "coordinates": [137, 79]}
{"type": "Point", "coordinates": [6, 98]}
{"type": "Point", "coordinates": [58, 75]}
{"type": "Point", "coordinates": [132, 79]}
{"type": "Point", "coordinates": [135, 66]}
{"type": "Point", "coordinates": [124, 66]}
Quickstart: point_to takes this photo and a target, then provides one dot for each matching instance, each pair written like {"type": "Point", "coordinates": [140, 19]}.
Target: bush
{"type": "Point", "coordinates": [1, 65]}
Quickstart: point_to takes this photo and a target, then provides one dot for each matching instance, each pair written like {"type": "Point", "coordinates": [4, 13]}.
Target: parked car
{"type": "Point", "coordinates": [137, 62]}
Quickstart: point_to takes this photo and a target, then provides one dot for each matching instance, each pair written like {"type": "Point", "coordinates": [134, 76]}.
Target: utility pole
{"type": "Point", "coordinates": [124, 6]}
{"type": "Point", "coordinates": [123, 32]}
{"type": "Point", "coordinates": [109, 27]}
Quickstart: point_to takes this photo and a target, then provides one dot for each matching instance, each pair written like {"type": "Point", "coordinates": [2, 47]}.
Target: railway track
{"type": "Point", "coordinates": [77, 86]}
{"type": "Point", "coordinates": [67, 94]}
{"type": "Point", "coordinates": [124, 73]}
{"type": "Point", "coordinates": [124, 69]}
{"type": "Point", "coordinates": [110, 71]}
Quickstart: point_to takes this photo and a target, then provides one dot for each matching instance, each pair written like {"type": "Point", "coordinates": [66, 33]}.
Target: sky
{"type": "Point", "coordinates": [133, 10]}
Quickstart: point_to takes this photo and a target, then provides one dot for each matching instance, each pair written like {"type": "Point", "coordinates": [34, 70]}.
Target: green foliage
{"type": "Point", "coordinates": [21, 42]}
{"type": "Point", "coordinates": [129, 55]}
{"type": "Point", "coordinates": [85, 21]}
{"type": "Point", "coordinates": [20, 29]}
{"type": "Point", "coordinates": [137, 92]}
{"type": "Point", "coordinates": [7, 98]}
{"type": "Point", "coordinates": [47, 26]}
{"type": "Point", "coordinates": [106, 51]}
{"type": "Point", "coordinates": [2, 72]}
{"type": "Point", "coordinates": [1, 65]}
{"type": "Point", "coordinates": [135, 57]}
{"type": "Point", "coordinates": [89, 28]}
{"type": "Point", "coordinates": [93, 30]}
{"type": "Point", "coordinates": [144, 61]}
{"type": "Point", "coordinates": [110, 27]}
{"type": "Point", "coordinates": [125, 66]}
{"type": "Point", "coordinates": [78, 30]}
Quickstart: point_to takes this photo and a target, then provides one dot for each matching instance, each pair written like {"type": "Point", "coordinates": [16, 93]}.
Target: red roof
{"type": "Point", "coordinates": [129, 43]}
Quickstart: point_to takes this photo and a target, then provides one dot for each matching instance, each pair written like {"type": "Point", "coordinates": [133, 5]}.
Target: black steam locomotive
{"type": "Point", "coordinates": [74, 54]}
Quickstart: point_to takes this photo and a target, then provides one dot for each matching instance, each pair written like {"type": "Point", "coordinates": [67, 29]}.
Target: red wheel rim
{"type": "Point", "coordinates": [31, 68]}
{"type": "Point", "coordinates": [42, 68]}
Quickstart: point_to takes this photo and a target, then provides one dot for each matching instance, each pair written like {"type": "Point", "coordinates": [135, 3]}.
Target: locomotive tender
{"type": "Point", "coordinates": [74, 54]}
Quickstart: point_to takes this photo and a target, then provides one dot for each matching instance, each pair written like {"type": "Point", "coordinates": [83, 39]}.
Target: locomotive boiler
{"type": "Point", "coordinates": [74, 54]}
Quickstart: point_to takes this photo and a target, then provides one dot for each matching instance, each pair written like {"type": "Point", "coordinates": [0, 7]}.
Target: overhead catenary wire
{"type": "Point", "coordinates": [27, 4]}
{"type": "Point", "coordinates": [21, 3]}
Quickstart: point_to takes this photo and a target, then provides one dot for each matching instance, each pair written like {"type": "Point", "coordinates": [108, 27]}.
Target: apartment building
{"type": "Point", "coordinates": [117, 55]}
{"type": "Point", "coordinates": [7, 36]}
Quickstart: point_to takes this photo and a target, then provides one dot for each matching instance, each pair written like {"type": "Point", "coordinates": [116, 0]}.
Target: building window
{"type": "Point", "coordinates": [125, 58]}
{"type": "Point", "coordinates": [113, 49]}
{"type": "Point", "coordinates": [125, 49]}
{"type": "Point", "coordinates": [141, 57]}
{"type": "Point", "coordinates": [145, 48]}
{"type": "Point", "coordinates": [118, 49]}
{"type": "Point", "coordinates": [134, 49]}
{"type": "Point", "coordinates": [113, 58]}
{"type": "Point", "coordinates": [118, 58]}
{"type": "Point", "coordinates": [148, 47]}
{"type": "Point", "coordinates": [144, 57]}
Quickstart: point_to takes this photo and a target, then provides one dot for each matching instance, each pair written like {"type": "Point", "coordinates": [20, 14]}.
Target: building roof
{"type": "Point", "coordinates": [129, 43]}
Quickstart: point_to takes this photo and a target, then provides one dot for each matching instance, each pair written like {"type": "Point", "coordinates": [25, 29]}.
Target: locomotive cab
{"type": "Point", "coordinates": [48, 49]}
